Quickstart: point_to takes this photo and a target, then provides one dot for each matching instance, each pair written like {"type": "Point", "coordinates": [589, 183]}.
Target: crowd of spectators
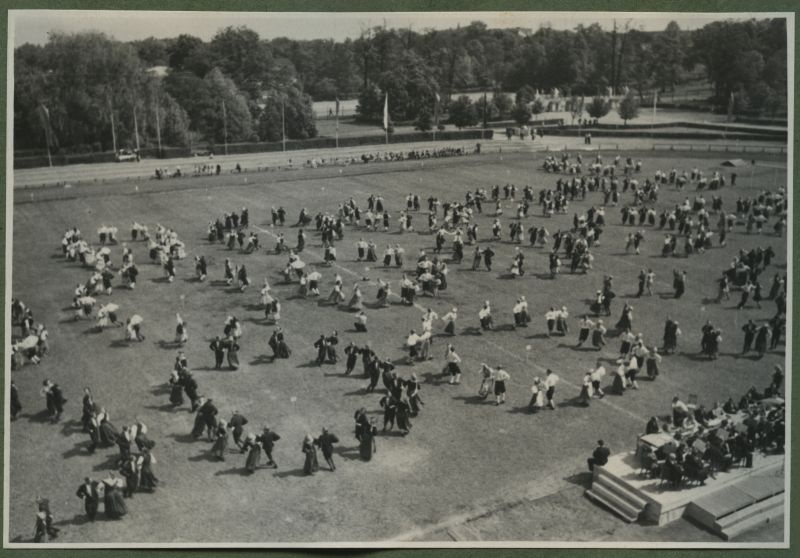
{"type": "Point", "coordinates": [706, 441]}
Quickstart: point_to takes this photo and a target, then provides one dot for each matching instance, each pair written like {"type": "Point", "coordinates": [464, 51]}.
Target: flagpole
{"type": "Point", "coordinates": [435, 114]}
{"type": "Point", "coordinates": [158, 130]}
{"type": "Point", "coordinates": [283, 122]}
{"type": "Point", "coordinates": [47, 132]}
{"type": "Point", "coordinates": [653, 125]}
{"type": "Point", "coordinates": [225, 125]}
{"type": "Point", "coordinates": [386, 117]}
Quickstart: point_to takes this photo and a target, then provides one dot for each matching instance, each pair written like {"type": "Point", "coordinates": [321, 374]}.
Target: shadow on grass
{"type": "Point", "coordinates": [184, 438]}
{"type": "Point", "coordinates": [160, 389]}
{"type": "Point", "coordinates": [81, 448]}
{"type": "Point", "coordinates": [342, 375]}
{"type": "Point", "coordinates": [524, 410]}
{"type": "Point", "coordinates": [40, 417]}
{"type": "Point", "coordinates": [572, 402]}
{"type": "Point", "coordinates": [262, 359]}
{"type": "Point", "coordinates": [697, 357]}
{"type": "Point", "coordinates": [350, 454]}
{"type": "Point", "coordinates": [111, 462]}
{"type": "Point", "coordinates": [473, 399]}
{"type": "Point", "coordinates": [234, 471]}
{"type": "Point", "coordinates": [583, 479]}
{"type": "Point", "coordinates": [167, 407]}
{"type": "Point", "coordinates": [538, 336]}
{"type": "Point", "coordinates": [71, 427]}
{"type": "Point", "coordinates": [292, 473]}
{"type": "Point", "coordinates": [76, 521]}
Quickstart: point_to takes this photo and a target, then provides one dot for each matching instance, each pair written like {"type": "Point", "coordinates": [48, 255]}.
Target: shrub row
{"type": "Point", "coordinates": [259, 147]}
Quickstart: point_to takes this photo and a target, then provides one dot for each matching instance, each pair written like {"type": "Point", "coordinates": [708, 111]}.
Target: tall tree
{"type": "Point", "coordinates": [628, 109]}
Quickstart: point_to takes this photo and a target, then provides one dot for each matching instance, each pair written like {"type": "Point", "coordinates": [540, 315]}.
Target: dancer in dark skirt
{"type": "Point", "coordinates": [114, 503]}
{"type": "Point", "coordinates": [176, 389]}
{"type": "Point", "coordinates": [367, 446]}
{"type": "Point", "coordinates": [311, 464]}
{"type": "Point", "coordinates": [253, 448]}
{"type": "Point", "coordinates": [147, 479]}
{"type": "Point", "coordinates": [220, 441]}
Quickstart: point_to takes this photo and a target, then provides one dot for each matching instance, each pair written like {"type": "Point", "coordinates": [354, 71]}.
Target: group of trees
{"type": "Point", "coordinates": [88, 89]}
{"type": "Point", "coordinates": [746, 59]}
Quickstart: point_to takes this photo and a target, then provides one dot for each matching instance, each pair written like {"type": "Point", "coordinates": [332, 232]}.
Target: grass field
{"type": "Point", "coordinates": [463, 455]}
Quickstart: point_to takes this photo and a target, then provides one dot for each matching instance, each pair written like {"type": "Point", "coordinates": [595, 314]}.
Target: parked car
{"type": "Point", "coordinates": [126, 155]}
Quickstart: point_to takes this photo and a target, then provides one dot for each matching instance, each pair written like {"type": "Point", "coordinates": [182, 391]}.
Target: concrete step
{"type": "Point", "coordinates": [609, 499]}
{"type": "Point", "coordinates": [620, 488]}
{"type": "Point", "coordinates": [774, 514]}
{"type": "Point", "coordinates": [749, 517]}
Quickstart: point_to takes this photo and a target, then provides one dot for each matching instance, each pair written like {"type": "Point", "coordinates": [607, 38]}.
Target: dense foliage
{"type": "Point", "coordinates": [69, 91]}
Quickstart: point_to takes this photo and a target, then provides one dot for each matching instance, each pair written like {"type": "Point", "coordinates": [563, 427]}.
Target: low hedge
{"type": "Point", "coordinates": [658, 134]}
{"type": "Point", "coordinates": [259, 147]}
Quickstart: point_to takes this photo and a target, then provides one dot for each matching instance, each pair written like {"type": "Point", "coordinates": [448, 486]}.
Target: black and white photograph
{"type": "Point", "coordinates": [398, 279]}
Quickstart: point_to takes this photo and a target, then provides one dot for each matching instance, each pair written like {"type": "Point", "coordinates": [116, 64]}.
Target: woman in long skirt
{"type": "Point", "coordinates": [114, 503]}
{"type": "Point", "coordinates": [367, 446]}
{"type": "Point", "coordinates": [356, 300]}
{"type": "Point", "coordinates": [283, 347]}
{"type": "Point", "coordinates": [141, 438]}
{"type": "Point", "coordinates": [220, 441]}
{"type": "Point", "coordinates": [653, 360]}
{"type": "Point", "coordinates": [586, 390]}
{"type": "Point", "coordinates": [311, 464]}
{"type": "Point", "coordinates": [486, 381]}
{"type": "Point", "coordinates": [402, 413]}
{"type": "Point", "coordinates": [130, 471]}
{"type": "Point", "coordinates": [618, 382]}
{"type": "Point", "coordinates": [147, 480]}
{"type": "Point", "coordinates": [233, 355]}
{"type": "Point", "coordinates": [108, 433]}
{"type": "Point", "coordinates": [176, 389]}
{"type": "Point", "coordinates": [199, 419]}
{"type": "Point", "coordinates": [253, 447]}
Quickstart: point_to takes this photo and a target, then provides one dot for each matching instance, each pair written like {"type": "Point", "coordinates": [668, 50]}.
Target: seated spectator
{"type": "Point", "coordinates": [695, 468]}
{"type": "Point", "coordinates": [599, 455]}
{"type": "Point", "coordinates": [652, 426]}
{"type": "Point", "coordinates": [672, 471]}
{"type": "Point", "coordinates": [730, 407]}
{"type": "Point", "coordinates": [680, 411]}
{"type": "Point", "coordinates": [649, 461]}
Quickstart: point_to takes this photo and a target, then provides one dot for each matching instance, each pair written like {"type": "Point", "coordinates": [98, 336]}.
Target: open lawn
{"type": "Point", "coordinates": [463, 454]}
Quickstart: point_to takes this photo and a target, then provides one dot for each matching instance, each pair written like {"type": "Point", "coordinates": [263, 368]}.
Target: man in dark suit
{"type": "Point", "coordinates": [599, 455]}
{"type": "Point", "coordinates": [325, 442]}
{"type": "Point", "coordinates": [88, 493]}
{"type": "Point", "coordinates": [219, 352]}
{"type": "Point", "coordinates": [237, 423]}
{"type": "Point", "coordinates": [268, 439]}
{"type": "Point", "coordinates": [190, 387]}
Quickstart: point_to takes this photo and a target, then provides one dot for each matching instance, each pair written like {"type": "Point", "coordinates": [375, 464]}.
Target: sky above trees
{"type": "Point", "coordinates": [33, 26]}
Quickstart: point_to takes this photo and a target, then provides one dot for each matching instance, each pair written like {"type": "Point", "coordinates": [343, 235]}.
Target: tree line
{"type": "Point", "coordinates": [88, 91]}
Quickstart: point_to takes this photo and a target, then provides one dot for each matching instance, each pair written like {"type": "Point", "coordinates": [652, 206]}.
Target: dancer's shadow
{"type": "Point", "coordinates": [472, 399]}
